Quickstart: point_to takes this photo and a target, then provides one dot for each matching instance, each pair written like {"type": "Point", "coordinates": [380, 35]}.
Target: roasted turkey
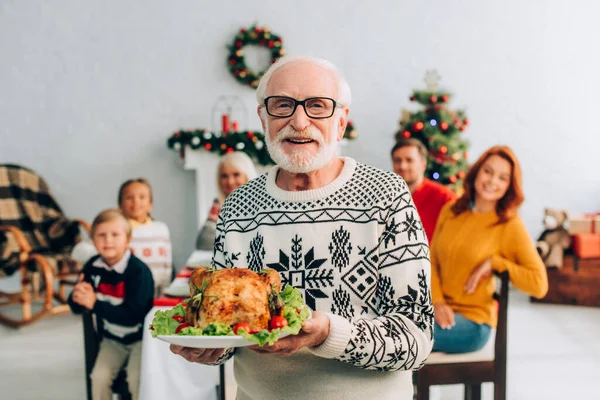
{"type": "Point", "coordinates": [231, 296]}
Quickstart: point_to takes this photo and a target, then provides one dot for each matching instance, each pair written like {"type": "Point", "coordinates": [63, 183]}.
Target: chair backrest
{"type": "Point", "coordinates": [500, 346]}
{"type": "Point", "coordinates": [91, 343]}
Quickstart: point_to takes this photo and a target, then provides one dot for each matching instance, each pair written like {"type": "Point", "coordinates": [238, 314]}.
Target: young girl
{"type": "Point", "coordinates": [117, 287]}
{"type": "Point", "coordinates": [150, 239]}
{"type": "Point", "coordinates": [480, 233]}
{"type": "Point", "coordinates": [234, 170]}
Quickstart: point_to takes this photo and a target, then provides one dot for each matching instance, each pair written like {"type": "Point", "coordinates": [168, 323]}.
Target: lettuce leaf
{"type": "Point", "coordinates": [217, 329]}
{"type": "Point", "coordinates": [291, 297]}
{"type": "Point", "coordinates": [163, 322]}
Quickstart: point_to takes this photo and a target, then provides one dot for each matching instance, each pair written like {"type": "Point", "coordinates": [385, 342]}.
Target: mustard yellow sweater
{"type": "Point", "coordinates": [461, 243]}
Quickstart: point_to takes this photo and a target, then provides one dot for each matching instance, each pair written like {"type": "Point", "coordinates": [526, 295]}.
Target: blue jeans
{"type": "Point", "coordinates": [464, 337]}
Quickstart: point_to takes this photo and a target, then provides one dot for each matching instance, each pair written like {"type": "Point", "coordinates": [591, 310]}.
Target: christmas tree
{"type": "Point", "coordinates": [440, 129]}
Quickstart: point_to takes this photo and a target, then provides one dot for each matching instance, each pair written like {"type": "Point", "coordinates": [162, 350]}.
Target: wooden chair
{"type": "Point", "coordinates": [472, 369]}
{"type": "Point", "coordinates": [91, 344]}
{"type": "Point", "coordinates": [35, 242]}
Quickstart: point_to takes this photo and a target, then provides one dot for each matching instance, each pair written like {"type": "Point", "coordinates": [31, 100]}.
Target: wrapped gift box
{"type": "Point", "coordinates": [584, 223]}
{"type": "Point", "coordinates": [586, 245]}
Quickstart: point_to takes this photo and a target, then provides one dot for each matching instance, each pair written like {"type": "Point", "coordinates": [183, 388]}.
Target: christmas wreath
{"type": "Point", "coordinates": [255, 35]}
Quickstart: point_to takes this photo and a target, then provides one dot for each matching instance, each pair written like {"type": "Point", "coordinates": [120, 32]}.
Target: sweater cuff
{"type": "Point", "coordinates": [340, 331]}
{"type": "Point", "coordinates": [498, 264]}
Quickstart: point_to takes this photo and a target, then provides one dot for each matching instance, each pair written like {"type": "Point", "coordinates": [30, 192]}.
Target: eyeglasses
{"type": "Point", "coordinates": [314, 107]}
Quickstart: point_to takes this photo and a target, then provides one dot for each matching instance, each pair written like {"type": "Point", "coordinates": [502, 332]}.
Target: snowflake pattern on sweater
{"type": "Point", "coordinates": [355, 249]}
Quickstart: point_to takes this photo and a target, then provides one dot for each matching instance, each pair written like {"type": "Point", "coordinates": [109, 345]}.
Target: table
{"type": "Point", "coordinates": [165, 375]}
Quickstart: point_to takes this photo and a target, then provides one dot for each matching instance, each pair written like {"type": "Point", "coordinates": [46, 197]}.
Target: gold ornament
{"type": "Point", "coordinates": [405, 116]}
{"type": "Point", "coordinates": [239, 53]}
{"type": "Point", "coordinates": [254, 139]}
{"type": "Point", "coordinates": [267, 35]}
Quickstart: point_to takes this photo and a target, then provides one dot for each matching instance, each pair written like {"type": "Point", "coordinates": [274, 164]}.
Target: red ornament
{"type": "Point", "coordinates": [250, 135]}
{"type": "Point", "coordinates": [445, 98]}
{"type": "Point", "coordinates": [466, 121]}
{"type": "Point", "coordinates": [406, 134]}
{"type": "Point", "coordinates": [271, 43]}
{"type": "Point", "coordinates": [208, 146]}
{"type": "Point", "coordinates": [417, 126]}
{"type": "Point", "coordinates": [242, 30]}
{"type": "Point", "coordinates": [463, 128]}
{"type": "Point", "coordinates": [258, 29]}
{"type": "Point", "coordinates": [444, 126]}
{"type": "Point", "coordinates": [433, 99]}
{"type": "Point", "coordinates": [232, 61]}
{"type": "Point", "coordinates": [452, 179]}
{"type": "Point", "coordinates": [229, 150]}
{"type": "Point", "coordinates": [443, 150]}
{"type": "Point", "coordinates": [350, 123]}
{"type": "Point", "coordinates": [412, 98]}
{"type": "Point", "coordinates": [461, 174]}
{"type": "Point", "coordinates": [177, 134]}
{"type": "Point", "coordinates": [238, 44]}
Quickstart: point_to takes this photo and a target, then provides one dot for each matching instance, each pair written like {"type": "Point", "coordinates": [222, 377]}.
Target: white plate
{"type": "Point", "coordinates": [204, 263]}
{"type": "Point", "coordinates": [199, 258]}
{"type": "Point", "coordinates": [177, 291]}
{"type": "Point", "coordinates": [209, 342]}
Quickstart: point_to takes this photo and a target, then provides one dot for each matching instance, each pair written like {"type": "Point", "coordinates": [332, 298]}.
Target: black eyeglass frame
{"type": "Point", "coordinates": [303, 104]}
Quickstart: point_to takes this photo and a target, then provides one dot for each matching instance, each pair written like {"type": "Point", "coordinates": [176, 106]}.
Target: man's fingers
{"type": "Point", "coordinates": [175, 349]}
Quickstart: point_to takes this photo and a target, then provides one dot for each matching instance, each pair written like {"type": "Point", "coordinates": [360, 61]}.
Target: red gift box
{"type": "Point", "coordinates": [586, 245]}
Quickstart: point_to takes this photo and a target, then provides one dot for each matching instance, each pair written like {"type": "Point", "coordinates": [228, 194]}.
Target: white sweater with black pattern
{"type": "Point", "coordinates": [357, 251]}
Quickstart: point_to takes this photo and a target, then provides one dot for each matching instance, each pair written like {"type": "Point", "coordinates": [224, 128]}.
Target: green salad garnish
{"type": "Point", "coordinates": [289, 304]}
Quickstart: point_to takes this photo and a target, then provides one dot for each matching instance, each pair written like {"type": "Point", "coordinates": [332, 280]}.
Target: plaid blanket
{"type": "Point", "coordinates": [26, 203]}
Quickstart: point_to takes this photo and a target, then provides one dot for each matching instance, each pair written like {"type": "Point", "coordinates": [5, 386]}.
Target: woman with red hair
{"type": "Point", "coordinates": [477, 234]}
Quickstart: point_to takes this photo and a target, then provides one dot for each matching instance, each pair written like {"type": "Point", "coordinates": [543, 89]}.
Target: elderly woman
{"type": "Point", "coordinates": [480, 233]}
{"type": "Point", "coordinates": [234, 170]}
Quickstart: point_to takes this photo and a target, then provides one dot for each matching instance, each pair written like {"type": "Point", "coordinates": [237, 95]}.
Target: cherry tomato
{"type": "Point", "coordinates": [277, 322]}
{"type": "Point", "coordinates": [242, 325]}
{"type": "Point", "coordinates": [178, 318]}
{"type": "Point", "coordinates": [181, 326]}
{"type": "Point", "coordinates": [183, 304]}
{"type": "Point", "coordinates": [298, 311]}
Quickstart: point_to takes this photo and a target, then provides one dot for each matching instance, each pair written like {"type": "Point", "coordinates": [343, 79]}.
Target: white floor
{"type": "Point", "coordinates": [554, 353]}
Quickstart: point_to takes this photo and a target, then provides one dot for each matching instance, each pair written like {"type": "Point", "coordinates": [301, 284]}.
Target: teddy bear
{"type": "Point", "coordinates": [555, 238]}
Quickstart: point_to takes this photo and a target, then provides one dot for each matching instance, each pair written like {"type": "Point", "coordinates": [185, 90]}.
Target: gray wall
{"type": "Point", "coordinates": [89, 91]}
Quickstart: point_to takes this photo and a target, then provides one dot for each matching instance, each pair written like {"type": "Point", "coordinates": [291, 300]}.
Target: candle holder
{"type": "Point", "coordinates": [228, 114]}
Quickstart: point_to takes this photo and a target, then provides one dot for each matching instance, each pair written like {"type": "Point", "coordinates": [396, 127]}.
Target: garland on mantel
{"type": "Point", "coordinates": [250, 142]}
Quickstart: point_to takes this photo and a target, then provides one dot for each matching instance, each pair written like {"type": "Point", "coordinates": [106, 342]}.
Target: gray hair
{"type": "Point", "coordinates": [241, 162]}
{"type": "Point", "coordinates": [344, 94]}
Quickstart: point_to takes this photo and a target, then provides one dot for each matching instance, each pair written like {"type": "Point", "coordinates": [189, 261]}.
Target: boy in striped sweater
{"type": "Point", "coordinates": [117, 287]}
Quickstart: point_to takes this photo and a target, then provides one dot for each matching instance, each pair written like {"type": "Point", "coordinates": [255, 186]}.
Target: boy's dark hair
{"type": "Point", "coordinates": [410, 142]}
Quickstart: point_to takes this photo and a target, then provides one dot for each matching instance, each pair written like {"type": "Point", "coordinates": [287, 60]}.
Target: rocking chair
{"type": "Point", "coordinates": [35, 241]}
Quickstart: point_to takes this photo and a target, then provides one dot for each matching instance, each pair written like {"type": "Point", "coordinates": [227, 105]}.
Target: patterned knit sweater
{"type": "Point", "coordinates": [124, 295]}
{"type": "Point", "coordinates": [357, 251]}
